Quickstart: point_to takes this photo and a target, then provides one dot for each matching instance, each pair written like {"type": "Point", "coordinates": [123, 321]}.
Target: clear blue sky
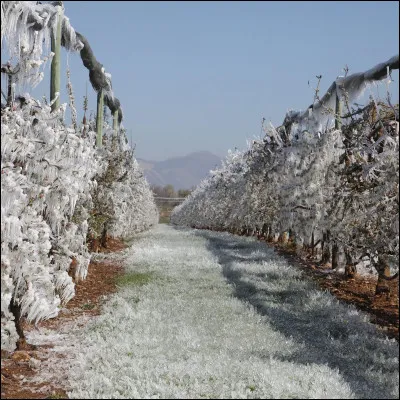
{"type": "Point", "coordinates": [201, 75]}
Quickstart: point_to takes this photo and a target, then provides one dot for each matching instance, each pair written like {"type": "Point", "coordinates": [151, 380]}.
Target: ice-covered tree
{"type": "Point", "coordinates": [49, 173]}
{"type": "Point", "coordinates": [46, 170]}
{"type": "Point", "coordinates": [328, 177]}
{"type": "Point", "coordinates": [123, 202]}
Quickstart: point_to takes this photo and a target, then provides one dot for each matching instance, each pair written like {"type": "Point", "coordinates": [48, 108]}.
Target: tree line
{"type": "Point", "coordinates": [65, 188]}
{"type": "Point", "coordinates": [325, 182]}
{"type": "Point", "coordinates": [169, 191]}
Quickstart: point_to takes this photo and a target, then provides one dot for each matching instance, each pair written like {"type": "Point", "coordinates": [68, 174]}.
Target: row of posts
{"type": "Point", "coordinates": [55, 86]}
{"type": "Point", "coordinates": [55, 82]}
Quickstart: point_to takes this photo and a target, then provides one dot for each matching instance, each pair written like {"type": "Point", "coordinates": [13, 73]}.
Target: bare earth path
{"type": "Point", "coordinates": [210, 315]}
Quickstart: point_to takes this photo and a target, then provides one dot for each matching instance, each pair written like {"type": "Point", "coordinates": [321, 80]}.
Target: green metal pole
{"type": "Point", "coordinates": [115, 121]}
{"type": "Point", "coordinates": [55, 83]}
{"type": "Point", "coordinates": [99, 118]}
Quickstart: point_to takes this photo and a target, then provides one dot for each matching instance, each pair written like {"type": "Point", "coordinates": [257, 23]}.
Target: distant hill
{"type": "Point", "coordinates": [181, 172]}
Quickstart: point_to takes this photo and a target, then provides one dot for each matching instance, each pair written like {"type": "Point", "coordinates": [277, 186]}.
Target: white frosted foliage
{"type": "Point", "coordinates": [48, 174]}
{"type": "Point", "coordinates": [127, 200]}
{"type": "Point", "coordinates": [341, 181]}
{"type": "Point", "coordinates": [45, 170]}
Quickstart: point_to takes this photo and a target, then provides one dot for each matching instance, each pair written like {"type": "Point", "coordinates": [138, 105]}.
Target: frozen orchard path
{"type": "Point", "coordinates": [223, 317]}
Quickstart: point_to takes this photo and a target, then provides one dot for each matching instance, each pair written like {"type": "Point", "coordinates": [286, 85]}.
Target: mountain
{"type": "Point", "coordinates": [181, 172]}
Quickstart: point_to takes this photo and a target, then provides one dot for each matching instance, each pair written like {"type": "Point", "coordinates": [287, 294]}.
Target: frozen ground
{"type": "Point", "coordinates": [219, 316]}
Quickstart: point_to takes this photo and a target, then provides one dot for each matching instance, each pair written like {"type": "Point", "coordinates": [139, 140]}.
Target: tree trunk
{"type": "Point", "coordinates": [383, 270]}
{"type": "Point", "coordinates": [350, 269]}
{"type": "Point", "coordinates": [15, 309]}
{"type": "Point", "coordinates": [335, 256]}
{"type": "Point", "coordinates": [270, 236]}
{"type": "Point", "coordinates": [103, 239]}
{"type": "Point", "coordinates": [264, 230]}
{"type": "Point", "coordinates": [326, 254]}
{"type": "Point", "coordinates": [322, 245]}
{"type": "Point", "coordinates": [292, 240]}
{"type": "Point", "coordinates": [312, 243]}
{"type": "Point", "coordinates": [9, 91]}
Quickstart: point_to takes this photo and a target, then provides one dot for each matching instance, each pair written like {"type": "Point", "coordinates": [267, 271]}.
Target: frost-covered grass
{"type": "Point", "coordinates": [224, 317]}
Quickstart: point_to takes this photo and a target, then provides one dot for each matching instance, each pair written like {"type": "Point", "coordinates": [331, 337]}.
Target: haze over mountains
{"type": "Point", "coordinates": [181, 172]}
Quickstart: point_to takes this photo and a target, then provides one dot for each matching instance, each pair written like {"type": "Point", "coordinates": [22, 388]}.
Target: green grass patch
{"type": "Point", "coordinates": [88, 306]}
{"type": "Point", "coordinates": [134, 278]}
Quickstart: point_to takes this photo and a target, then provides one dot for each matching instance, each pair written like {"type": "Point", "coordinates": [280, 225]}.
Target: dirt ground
{"type": "Point", "coordinates": [100, 281]}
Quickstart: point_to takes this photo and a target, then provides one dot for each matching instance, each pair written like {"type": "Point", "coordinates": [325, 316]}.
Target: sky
{"type": "Point", "coordinates": [197, 76]}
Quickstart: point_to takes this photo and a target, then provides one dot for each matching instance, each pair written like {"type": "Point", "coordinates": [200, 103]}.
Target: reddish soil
{"type": "Point", "coordinates": [359, 291]}
{"type": "Point", "coordinates": [100, 281]}
{"type": "Point", "coordinates": [111, 245]}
